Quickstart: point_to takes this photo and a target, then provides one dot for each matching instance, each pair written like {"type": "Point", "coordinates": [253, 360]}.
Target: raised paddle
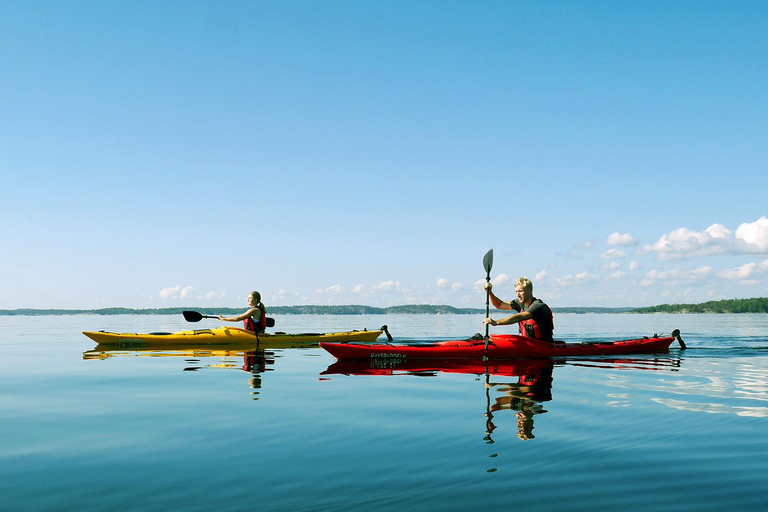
{"type": "Point", "coordinates": [487, 264]}
{"type": "Point", "coordinates": [194, 316]}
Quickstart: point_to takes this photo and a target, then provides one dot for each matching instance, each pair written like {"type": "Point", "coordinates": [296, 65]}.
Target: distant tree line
{"type": "Point", "coordinates": [755, 305]}
{"type": "Point", "coordinates": [417, 309]}
{"type": "Point", "coordinates": [759, 305]}
{"type": "Point", "coordinates": [273, 310]}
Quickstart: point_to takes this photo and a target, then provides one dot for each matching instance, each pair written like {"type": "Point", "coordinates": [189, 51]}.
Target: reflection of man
{"type": "Point", "coordinates": [524, 397]}
{"type": "Point", "coordinates": [534, 317]}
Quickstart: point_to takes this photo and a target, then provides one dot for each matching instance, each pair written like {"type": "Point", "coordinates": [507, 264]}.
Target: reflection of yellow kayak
{"type": "Point", "coordinates": [231, 337]}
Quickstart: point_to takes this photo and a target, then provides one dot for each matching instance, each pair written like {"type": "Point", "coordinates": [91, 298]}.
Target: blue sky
{"type": "Point", "coordinates": [160, 154]}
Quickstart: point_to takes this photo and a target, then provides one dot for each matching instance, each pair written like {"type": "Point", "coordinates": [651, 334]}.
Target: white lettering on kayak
{"type": "Point", "coordinates": [388, 355]}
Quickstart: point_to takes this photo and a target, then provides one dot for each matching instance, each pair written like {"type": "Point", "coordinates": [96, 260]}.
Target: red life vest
{"type": "Point", "coordinates": [259, 326]}
{"type": "Point", "coordinates": [530, 329]}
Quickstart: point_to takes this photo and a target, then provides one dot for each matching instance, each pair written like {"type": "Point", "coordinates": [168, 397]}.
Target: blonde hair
{"type": "Point", "coordinates": [525, 283]}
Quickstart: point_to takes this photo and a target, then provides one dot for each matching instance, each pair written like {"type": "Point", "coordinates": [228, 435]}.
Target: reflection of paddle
{"type": "Point", "coordinates": [487, 264]}
{"type": "Point", "coordinates": [489, 426]}
{"type": "Point", "coordinates": [194, 316]}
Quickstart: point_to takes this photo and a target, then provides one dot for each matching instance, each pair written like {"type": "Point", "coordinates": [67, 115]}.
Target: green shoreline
{"type": "Point", "coordinates": [294, 310]}
{"type": "Point", "coordinates": [753, 305]}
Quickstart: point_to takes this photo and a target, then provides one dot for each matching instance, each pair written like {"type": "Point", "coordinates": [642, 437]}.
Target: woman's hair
{"type": "Point", "coordinates": [257, 296]}
{"type": "Point", "coordinates": [525, 283]}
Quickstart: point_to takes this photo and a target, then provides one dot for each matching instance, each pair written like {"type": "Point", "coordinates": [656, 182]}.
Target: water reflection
{"type": "Point", "coordinates": [256, 361]}
{"type": "Point", "coordinates": [520, 386]}
{"type": "Point", "coordinates": [524, 396]}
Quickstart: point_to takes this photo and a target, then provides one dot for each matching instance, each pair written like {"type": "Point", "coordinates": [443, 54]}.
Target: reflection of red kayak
{"type": "Point", "coordinates": [501, 367]}
{"type": "Point", "coordinates": [511, 367]}
{"type": "Point", "coordinates": [501, 346]}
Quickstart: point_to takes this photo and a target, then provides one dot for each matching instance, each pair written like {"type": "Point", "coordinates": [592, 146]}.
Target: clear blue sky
{"type": "Point", "coordinates": [159, 154]}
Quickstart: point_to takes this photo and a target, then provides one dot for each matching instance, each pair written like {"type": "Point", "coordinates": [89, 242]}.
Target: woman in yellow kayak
{"type": "Point", "coordinates": [255, 319]}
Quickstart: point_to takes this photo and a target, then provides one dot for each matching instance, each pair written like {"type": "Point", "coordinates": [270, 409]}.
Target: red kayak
{"type": "Point", "coordinates": [500, 346]}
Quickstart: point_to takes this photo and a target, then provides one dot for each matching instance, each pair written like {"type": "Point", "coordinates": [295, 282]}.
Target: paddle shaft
{"type": "Point", "coordinates": [487, 308]}
{"type": "Point", "coordinates": [487, 265]}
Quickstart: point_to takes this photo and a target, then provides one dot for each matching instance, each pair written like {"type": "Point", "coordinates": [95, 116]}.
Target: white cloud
{"type": "Point", "coordinates": [176, 292]}
{"type": "Point", "coordinates": [445, 284]}
{"type": "Point", "coordinates": [337, 288]}
{"type": "Point", "coordinates": [188, 292]}
{"type": "Point", "coordinates": [360, 288]}
{"type": "Point", "coordinates": [625, 240]}
{"type": "Point", "coordinates": [612, 254]}
{"type": "Point", "coordinates": [501, 279]}
{"type": "Point", "coordinates": [611, 266]}
{"type": "Point", "coordinates": [633, 265]}
{"type": "Point", "coordinates": [741, 272]}
{"type": "Point", "coordinates": [682, 243]}
{"type": "Point", "coordinates": [387, 286]}
{"type": "Point", "coordinates": [540, 276]}
{"type": "Point", "coordinates": [618, 275]}
{"type": "Point", "coordinates": [678, 276]}
{"type": "Point", "coordinates": [578, 279]}
{"type": "Point", "coordinates": [169, 293]}
{"type": "Point", "coordinates": [575, 253]}
{"type": "Point", "coordinates": [753, 237]}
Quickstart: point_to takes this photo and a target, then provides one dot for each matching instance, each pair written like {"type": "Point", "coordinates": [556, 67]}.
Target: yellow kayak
{"type": "Point", "coordinates": [230, 337]}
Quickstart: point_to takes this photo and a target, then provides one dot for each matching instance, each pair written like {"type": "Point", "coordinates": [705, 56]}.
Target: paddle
{"type": "Point", "coordinates": [487, 264]}
{"type": "Point", "coordinates": [194, 316]}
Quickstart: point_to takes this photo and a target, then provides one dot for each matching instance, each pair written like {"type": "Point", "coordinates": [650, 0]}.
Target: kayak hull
{"type": "Point", "coordinates": [500, 346]}
{"type": "Point", "coordinates": [231, 337]}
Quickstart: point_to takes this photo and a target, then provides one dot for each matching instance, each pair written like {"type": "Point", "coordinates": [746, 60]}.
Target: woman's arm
{"type": "Point", "coordinates": [239, 318]}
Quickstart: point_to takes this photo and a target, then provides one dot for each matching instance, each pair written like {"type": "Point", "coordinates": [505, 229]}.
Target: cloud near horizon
{"type": "Point", "coordinates": [678, 276]}
{"type": "Point", "coordinates": [682, 243]}
{"type": "Point", "coordinates": [188, 292]}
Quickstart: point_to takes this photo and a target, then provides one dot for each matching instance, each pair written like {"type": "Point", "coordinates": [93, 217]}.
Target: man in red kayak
{"type": "Point", "coordinates": [534, 317]}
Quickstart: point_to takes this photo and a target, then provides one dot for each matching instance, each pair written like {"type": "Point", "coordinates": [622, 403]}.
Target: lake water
{"type": "Point", "coordinates": [159, 431]}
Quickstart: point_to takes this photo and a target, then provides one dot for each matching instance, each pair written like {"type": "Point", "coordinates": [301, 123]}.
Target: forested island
{"type": "Point", "coordinates": [755, 305]}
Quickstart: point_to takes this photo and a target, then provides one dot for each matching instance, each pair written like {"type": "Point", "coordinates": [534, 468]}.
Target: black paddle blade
{"type": "Point", "coordinates": [488, 261]}
{"type": "Point", "coordinates": [192, 316]}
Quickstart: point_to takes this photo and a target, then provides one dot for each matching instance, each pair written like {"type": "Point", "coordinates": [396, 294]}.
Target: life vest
{"type": "Point", "coordinates": [530, 329]}
{"type": "Point", "coordinates": [259, 326]}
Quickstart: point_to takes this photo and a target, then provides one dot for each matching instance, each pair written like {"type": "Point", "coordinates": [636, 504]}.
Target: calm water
{"type": "Point", "coordinates": [158, 431]}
